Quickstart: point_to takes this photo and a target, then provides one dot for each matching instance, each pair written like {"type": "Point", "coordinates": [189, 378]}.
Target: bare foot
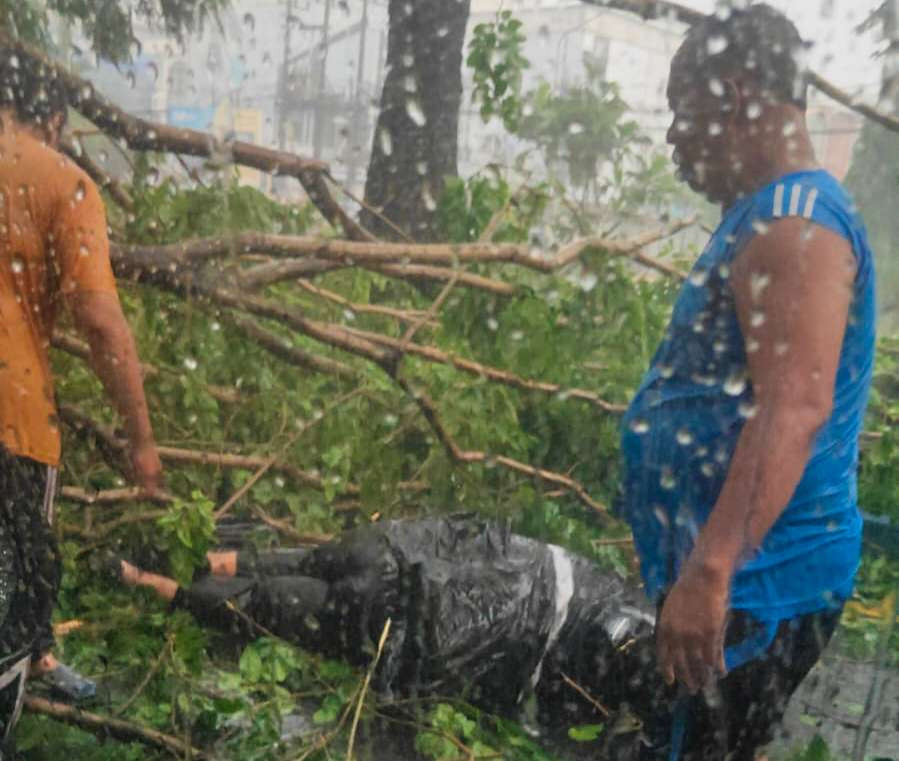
{"type": "Point", "coordinates": [43, 664]}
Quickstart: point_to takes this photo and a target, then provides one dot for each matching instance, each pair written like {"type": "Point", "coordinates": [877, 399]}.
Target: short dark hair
{"type": "Point", "coordinates": [757, 42]}
{"type": "Point", "coordinates": [30, 87]}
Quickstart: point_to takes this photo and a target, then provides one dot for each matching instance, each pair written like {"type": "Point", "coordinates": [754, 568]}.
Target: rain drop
{"type": "Point", "coordinates": [716, 87]}
{"type": "Point", "coordinates": [760, 227]}
{"type": "Point", "coordinates": [413, 110]}
{"type": "Point", "coordinates": [587, 282]}
{"type": "Point", "coordinates": [639, 426]}
{"type": "Point", "coordinates": [190, 363]}
{"type": "Point", "coordinates": [249, 21]}
{"type": "Point", "coordinates": [754, 110]}
{"type": "Point", "coordinates": [80, 191]}
{"type": "Point", "coordinates": [18, 264]}
{"type": "Point", "coordinates": [747, 410]}
{"type": "Point", "coordinates": [492, 324]}
{"type": "Point", "coordinates": [575, 128]}
{"type": "Point", "coordinates": [735, 383]}
{"type": "Point", "coordinates": [428, 199]}
{"type": "Point", "coordinates": [386, 141]}
{"type": "Point", "coordinates": [698, 277]}
{"type": "Point", "coordinates": [667, 480]}
{"type": "Point", "coordinates": [757, 319]}
{"type": "Point", "coordinates": [684, 437]}
{"type": "Point", "coordinates": [717, 44]}
{"type": "Point", "coordinates": [715, 129]}
{"type": "Point", "coordinates": [758, 281]}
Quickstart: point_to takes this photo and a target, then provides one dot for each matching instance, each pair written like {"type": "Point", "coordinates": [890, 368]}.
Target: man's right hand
{"type": "Point", "coordinates": [147, 468]}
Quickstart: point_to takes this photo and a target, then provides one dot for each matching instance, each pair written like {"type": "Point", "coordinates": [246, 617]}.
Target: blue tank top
{"type": "Point", "coordinates": [681, 428]}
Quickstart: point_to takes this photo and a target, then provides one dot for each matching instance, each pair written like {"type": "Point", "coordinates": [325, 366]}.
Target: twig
{"type": "Point", "coordinates": [270, 462]}
{"type": "Point", "coordinates": [368, 674]}
{"type": "Point", "coordinates": [429, 316]}
{"type": "Point", "coordinates": [303, 537]}
{"type": "Point", "coordinates": [426, 273]}
{"type": "Point", "coordinates": [433, 354]}
{"type": "Point", "coordinates": [403, 315]}
{"type": "Point", "coordinates": [283, 349]}
{"type": "Point", "coordinates": [151, 672]}
{"type": "Point", "coordinates": [586, 695]}
{"type": "Point", "coordinates": [457, 454]}
{"type": "Point", "coordinates": [124, 730]}
{"type": "Point", "coordinates": [369, 208]}
{"type": "Point", "coordinates": [106, 496]}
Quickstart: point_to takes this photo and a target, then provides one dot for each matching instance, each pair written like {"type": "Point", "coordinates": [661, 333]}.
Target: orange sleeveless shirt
{"type": "Point", "coordinates": [53, 243]}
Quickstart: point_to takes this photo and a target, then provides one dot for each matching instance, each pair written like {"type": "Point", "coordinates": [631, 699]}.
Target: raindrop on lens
{"type": "Point", "coordinates": [735, 383]}
{"type": "Point", "coordinates": [386, 141]}
{"type": "Point", "coordinates": [698, 278]}
{"type": "Point", "coordinates": [667, 480]}
{"type": "Point", "coordinates": [747, 410]}
{"type": "Point", "coordinates": [684, 437]}
{"type": "Point", "coordinates": [717, 44]}
{"type": "Point", "coordinates": [639, 426]}
{"type": "Point", "coordinates": [414, 112]}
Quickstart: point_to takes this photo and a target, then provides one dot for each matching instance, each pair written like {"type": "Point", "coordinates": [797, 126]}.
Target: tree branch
{"type": "Point", "coordinates": [119, 728]}
{"type": "Point", "coordinates": [841, 96]}
{"type": "Point", "coordinates": [284, 350]}
{"type": "Point", "coordinates": [118, 193]}
{"type": "Point", "coordinates": [378, 254]}
{"type": "Point", "coordinates": [433, 354]}
{"type": "Point", "coordinates": [457, 454]}
{"type": "Point", "coordinates": [106, 496]}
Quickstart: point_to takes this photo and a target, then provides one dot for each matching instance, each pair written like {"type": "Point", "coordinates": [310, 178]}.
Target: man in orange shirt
{"type": "Point", "coordinates": [54, 251]}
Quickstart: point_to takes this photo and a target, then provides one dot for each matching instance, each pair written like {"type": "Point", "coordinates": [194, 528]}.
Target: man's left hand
{"type": "Point", "coordinates": [690, 632]}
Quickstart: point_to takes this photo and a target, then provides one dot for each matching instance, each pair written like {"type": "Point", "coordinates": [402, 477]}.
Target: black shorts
{"type": "Point", "coordinates": [741, 713]}
{"type": "Point", "coordinates": [30, 566]}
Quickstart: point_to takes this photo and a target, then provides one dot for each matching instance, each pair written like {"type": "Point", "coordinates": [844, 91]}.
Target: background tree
{"type": "Point", "coordinates": [108, 24]}
{"type": "Point", "coordinates": [416, 138]}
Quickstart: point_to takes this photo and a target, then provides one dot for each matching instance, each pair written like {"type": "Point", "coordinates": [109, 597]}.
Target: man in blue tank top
{"type": "Point", "coordinates": [741, 444]}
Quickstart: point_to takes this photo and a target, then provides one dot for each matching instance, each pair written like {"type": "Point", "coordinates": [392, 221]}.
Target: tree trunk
{"type": "Point", "coordinates": [416, 138]}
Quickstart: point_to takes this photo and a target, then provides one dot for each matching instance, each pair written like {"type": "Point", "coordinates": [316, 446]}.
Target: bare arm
{"type": "Point", "coordinates": [792, 288]}
{"type": "Point", "coordinates": [98, 316]}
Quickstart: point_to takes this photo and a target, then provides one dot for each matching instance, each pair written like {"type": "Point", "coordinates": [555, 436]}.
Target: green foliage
{"type": "Point", "coordinates": [878, 484]}
{"type": "Point", "coordinates": [586, 732]}
{"type": "Point", "coordinates": [187, 532]}
{"type": "Point", "coordinates": [581, 125]}
{"type": "Point", "coordinates": [467, 207]}
{"type": "Point", "coordinates": [452, 735]}
{"type": "Point", "coordinates": [816, 750]}
{"type": "Point", "coordinates": [497, 63]}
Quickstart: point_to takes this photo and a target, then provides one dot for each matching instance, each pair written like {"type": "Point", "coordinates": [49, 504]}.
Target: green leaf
{"type": "Point", "coordinates": [585, 732]}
